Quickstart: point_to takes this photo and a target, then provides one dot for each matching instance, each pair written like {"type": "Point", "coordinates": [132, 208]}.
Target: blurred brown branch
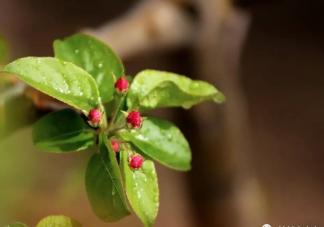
{"type": "Point", "coordinates": [222, 34]}
{"type": "Point", "coordinates": [147, 28]}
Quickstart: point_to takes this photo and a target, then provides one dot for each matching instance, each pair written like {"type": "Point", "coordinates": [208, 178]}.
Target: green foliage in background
{"type": "Point", "coordinates": [83, 74]}
{"type": "Point", "coordinates": [17, 224]}
{"type": "Point", "coordinates": [4, 51]}
{"type": "Point", "coordinates": [58, 221]}
{"type": "Point", "coordinates": [16, 110]}
{"type": "Point", "coordinates": [52, 221]}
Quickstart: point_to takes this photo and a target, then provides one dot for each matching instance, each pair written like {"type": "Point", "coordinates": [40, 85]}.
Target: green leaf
{"type": "Point", "coordinates": [162, 141]}
{"type": "Point", "coordinates": [58, 221]}
{"type": "Point", "coordinates": [93, 56]}
{"type": "Point", "coordinates": [153, 89]}
{"type": "Point", "coordinates": [61, 80]}
{"type": "Point", "coordinates": [142, 189]}
{"type": "Point", "coordinates": [63, 131]}
{"type": "Point", "coordinates": [104, 185]}
{"type": "Point", "coordinates": [17, 224]}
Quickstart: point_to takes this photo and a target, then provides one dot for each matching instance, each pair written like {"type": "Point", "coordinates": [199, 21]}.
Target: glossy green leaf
{"type": "Point", "coordinates": [162, 141]}
{"type": "Point", "coordinates": [142, 189]}
{"type": "Point", "coordinates": [58, 221]}
{"type": "Point", "coordinates": [93, 56]}
{"type": "Point", "coordinates": [17, 224]}
{"type": "Point", "coordinates": [61, 80]}
{"type": "Point", "coordinates": [153, 89]}
{"type": "Point", "coordinates": [104, 185]}
{"type": "Point", "coordinates": [63, 131]}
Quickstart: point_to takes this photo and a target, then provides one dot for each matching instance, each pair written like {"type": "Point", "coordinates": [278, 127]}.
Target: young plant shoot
{"type": "Point", "coordinates": [107, 110]}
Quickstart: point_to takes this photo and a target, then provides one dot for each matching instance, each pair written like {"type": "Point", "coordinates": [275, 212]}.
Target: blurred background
{"type": "Point", "coordinates": [256, 159]}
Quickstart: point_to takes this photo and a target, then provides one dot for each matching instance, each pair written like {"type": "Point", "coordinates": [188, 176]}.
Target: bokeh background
{"type": "Point", "coordinates": [256, 159]}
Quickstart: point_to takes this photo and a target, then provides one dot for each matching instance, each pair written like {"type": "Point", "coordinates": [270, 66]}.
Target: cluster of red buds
{"type": "Point", "coordinates": [135, 161]}
{"type": "Point", "coordinates": [133, 119]}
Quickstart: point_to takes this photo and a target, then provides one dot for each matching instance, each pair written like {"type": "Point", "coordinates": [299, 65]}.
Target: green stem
{"type": "Point", "coordinates": [115, 113]}
{"type": "Point", "coordinates": [114, 130]}
{"type": "Point", "coordinates": [103, 125]}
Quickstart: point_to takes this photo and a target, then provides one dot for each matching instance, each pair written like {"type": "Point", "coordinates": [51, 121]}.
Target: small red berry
{"type": "Point", "coordinates": [121, 85]}
{"type": "Point", "coordinates": [136, 161]}
{"type": "Point", "coordinates": [134, 119]}
{"type": "Point", "coordinates": [115, 145]}
{"type": "Point", "coordinates": [94, 116]}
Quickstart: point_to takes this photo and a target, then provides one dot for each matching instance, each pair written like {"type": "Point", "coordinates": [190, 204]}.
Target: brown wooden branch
{"type": "Point", "coordinates": [148, 27]}
{"type": "Point", "coordinates": [226, 146]}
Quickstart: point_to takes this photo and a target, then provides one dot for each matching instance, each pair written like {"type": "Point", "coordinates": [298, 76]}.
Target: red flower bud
{"type": "Point", "coordinates": [94, 116]}
{"type": "Point", "coordinates": [136, 161]}
{"type": "Point", "coordinates": [134, 119]}
{"type": "Point", "coordinates": [121, 85]}
{"type": "Point", "coordinates": [115, 145]}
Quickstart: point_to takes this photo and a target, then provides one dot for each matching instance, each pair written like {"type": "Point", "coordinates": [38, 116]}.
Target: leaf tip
{"type": "Point", "coordinates": [219, 97]}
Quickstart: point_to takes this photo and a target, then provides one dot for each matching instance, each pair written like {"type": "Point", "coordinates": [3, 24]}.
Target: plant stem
{"type": "Point", "coordinates": [103, 125]}
{"type": "Point", "coordinates": [115, 113]}
{"type": "Point", "coordinates": [113, 130]}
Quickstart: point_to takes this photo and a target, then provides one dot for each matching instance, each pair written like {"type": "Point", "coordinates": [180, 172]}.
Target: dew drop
{"type": "Point", "coordinates": [100, 65]}
{"type": "Point", "coordinates": [187, 105]}
{"type": "Point", "coordinates": [76, 51]}
{"type": "Point", "coordinates": [195, 84]}
{"type": "Point", "coordinates": [141, 137]}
